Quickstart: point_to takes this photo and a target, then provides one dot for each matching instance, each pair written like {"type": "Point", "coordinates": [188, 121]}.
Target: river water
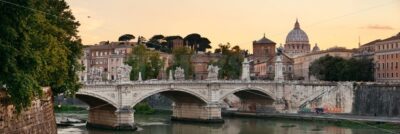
{"type": "Point", "coordinates": [160, 124]}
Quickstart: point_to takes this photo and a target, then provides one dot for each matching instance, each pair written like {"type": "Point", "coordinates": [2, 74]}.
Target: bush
{"type": "Point", "coordinates": [68, 108]}
{"type": "Point", "coordinates": [143, 108]}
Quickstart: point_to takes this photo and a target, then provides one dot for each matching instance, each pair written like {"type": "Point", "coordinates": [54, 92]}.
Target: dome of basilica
{"type": "Point", "coordinates": [297, 35]}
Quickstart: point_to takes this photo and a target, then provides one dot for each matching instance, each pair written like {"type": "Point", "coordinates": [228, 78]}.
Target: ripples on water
{"type": "Point", "coordinates": [160, 124]}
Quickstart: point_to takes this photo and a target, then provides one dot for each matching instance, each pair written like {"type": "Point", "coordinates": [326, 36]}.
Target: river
{"type": "Point", "coordinates": [160, 124]}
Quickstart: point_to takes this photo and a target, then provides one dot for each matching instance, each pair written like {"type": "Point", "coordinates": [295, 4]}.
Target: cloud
{"type": "Point", "coordinates": [378, 27]}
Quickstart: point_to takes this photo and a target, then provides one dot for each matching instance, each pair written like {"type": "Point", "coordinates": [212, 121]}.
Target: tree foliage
{"type": "Point", "coordinates": [126, 37]}
{"type": "Point", "coordinates": [330, 68]}
{"type": "Point", "coordinates": [159, 42]}
{"type": "Point", "coordinates": [196, 42]}
{"type": "Point", "coordinates": [230, 62]}
{"type": "Point", "coordinates": [182, 58]}
{"type": "Point", "coordinates": [38, 49]}
{"type": "Point", "coordinates": [146, 61]}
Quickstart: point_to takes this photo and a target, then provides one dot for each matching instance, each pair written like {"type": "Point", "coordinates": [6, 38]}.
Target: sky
{"type": "Point", "coordinates": [328, 23]}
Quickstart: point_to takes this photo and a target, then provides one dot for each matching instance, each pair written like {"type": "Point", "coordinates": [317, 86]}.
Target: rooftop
{"type": "Point", "coordinates": [264, 40]}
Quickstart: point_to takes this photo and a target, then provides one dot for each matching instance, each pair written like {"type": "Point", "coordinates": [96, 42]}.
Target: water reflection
{"type": "Point", "coordinates": [160, 124]}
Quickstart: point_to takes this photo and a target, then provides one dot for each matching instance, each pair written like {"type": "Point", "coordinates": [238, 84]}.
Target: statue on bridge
{"type": "Point", "coordinates": [245, 70]}
{"type": "Point", "coordinates": [212, 72]}
{"type": "Point", "coordinates": [123, 73]}
{"type": "Point", "coordinates": [179, 73]}
{"type": "Point", "coordinates": [95, 74]}
{"type": "Point", "coordinates": [278, 66]}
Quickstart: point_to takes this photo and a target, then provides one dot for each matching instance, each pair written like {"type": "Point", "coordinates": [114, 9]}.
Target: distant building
{"type": "Point", "coordinates": [302, 63]}
{"type": "Point", "coordinates": [366, 50]}
{"type": "Point", "coordinates": [200, 63]}
{"type": "Point", "coordinates": [297, 42]}
{"type": "Point", "coordinates": [265, 70]}
{"type": "Point", "coordinates": [105, 59]}
{"type": "Point", "coordinates": [262, 65]}
{"type": "Point", "coordinates": [174, 42]}
{"type": "Point", "coordinates": [387, 59]}
{"type": "Point", "coordinates": [263, 49]}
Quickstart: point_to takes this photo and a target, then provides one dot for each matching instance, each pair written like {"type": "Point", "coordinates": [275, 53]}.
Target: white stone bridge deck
{"type": "Point", "coordinates": [111, 103]}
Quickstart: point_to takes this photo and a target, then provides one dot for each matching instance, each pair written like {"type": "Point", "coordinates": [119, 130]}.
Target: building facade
{"type": "Point", "coordinates": [263, 49]}
{"type": "Point", "coordinates": [265, 70]}
{"type": "Point", "coordinates": [105, 61]}
{"type": "Point", "coordinates": [263, 61]}
{"type": "Point", "coordinates": [200, 62]}
{"type": "Point", "coordinates": [387, 59]}
{"type": "Point", "coordinates": [297, 42]}
{"type": "Point", "coordinates": [367, 50]}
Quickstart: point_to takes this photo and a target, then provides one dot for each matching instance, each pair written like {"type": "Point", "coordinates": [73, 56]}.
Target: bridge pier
{"type": "Point", "coordinates": [208, 113]}
{"type": "Point", "coordinates": [120, 119]}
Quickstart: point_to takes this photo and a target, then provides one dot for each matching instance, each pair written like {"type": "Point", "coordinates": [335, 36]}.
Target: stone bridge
{"type": "Point", "coordinates": [111, 104]}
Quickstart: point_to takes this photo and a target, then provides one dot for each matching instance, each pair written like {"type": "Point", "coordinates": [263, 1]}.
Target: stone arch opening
{"type": "Point", "coordinates": [250, 100]}
{"type": "Point", "coordinates": [175, 95]}
{"type": "Point", "coordinates": [96, 102]}
{"type": "Point", "coordinates": [187, 105]}
{"type": "Point", "coordinates": [101, 112]}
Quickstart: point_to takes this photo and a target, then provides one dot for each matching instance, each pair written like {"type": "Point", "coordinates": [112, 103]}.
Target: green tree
{"type": "Point", "coordinates": [126, 37]}
{"type": "Point", "coordinates": [146, 61]}
{"type": "Point", "coordinates": [230, 61]}
{"type": "Point", "coordinates": [38, 49]}
{"type": "Point", "coordinates": [182, 58]}
{"type": "Point", "coordinates": [331, 68]}
{"type": "Point", "coordinates": [196, 42]}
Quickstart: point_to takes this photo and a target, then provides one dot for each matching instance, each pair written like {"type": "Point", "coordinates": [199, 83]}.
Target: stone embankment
{"type": "Point", "coordinates": [37, 119]}
{"type": "Point", "coordinates": [377, 99]}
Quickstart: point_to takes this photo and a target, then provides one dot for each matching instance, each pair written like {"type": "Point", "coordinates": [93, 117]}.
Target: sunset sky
{"type": "Point", "coordinates": [328, 23]}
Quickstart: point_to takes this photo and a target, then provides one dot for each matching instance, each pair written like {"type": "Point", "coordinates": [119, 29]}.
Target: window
{"type": "Point", "coordinates": [379, 75]}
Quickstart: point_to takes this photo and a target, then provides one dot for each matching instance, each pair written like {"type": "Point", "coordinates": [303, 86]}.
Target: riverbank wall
{"type": "Point", "coordinates": [319, 117]}
{"type": "Point", "coordinates": [37, 119]}
{"type": "Point", "coordinates": [377, 99]}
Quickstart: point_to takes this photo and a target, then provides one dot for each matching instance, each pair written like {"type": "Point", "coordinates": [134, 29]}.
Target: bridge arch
{"type": "Point", "coordinates": [182, 91]}
{"type": "Point", "coordinates": [263, 91]}
{"type": "Point", "coordinates": [87, 97]}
